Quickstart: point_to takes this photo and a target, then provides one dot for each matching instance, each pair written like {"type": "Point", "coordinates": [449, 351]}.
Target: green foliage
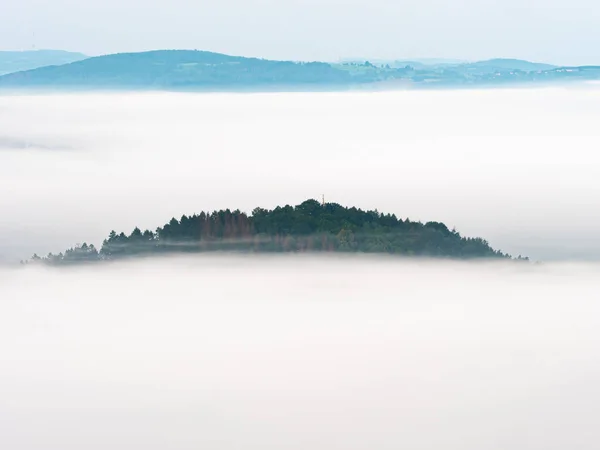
{"type": "Point", "coordinates": [77, 255]}
{"type": "Point", "coordinates": [309, 226]}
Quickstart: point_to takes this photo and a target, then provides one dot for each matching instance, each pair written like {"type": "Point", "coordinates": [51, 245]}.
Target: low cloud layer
{"type": "Point", "coordinates": [517, 167]}
{"type": "Point", "coordinates": [297, 352]}
{"type": "Point", "coordinates": [292, 351]}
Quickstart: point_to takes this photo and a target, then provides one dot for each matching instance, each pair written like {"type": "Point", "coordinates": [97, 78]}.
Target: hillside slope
{"type": "Point", "coordinates": [15, 61]}
{"type": "Point", "coordinates": [176, 69]}
{"type": "Point", "coordinates": [509, 64]}
{"type": "Point", "coordinates": [192, 70]}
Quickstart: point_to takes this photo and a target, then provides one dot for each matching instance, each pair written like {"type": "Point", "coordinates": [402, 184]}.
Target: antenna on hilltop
{"type": "Point", "coordinates": [323, 200]}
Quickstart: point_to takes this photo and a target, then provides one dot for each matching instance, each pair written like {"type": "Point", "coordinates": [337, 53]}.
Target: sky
{"type": "Point", "coordinates": [556, 31]}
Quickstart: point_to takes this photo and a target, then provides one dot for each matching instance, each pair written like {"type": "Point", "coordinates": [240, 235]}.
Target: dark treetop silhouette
{"type": "Point", "coordinates": [310, 226]}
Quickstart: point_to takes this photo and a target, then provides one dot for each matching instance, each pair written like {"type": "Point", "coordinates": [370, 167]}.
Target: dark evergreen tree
{"type": "Point", "coordinates": [310, 226]}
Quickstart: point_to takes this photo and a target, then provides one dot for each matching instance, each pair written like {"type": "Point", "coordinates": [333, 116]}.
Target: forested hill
{"type": "Point", "coordinates": [192, 70]}
{"type": "Point", "coordinates": [308, 227]}
{"type": "Point", "coordinates": [176, 69]}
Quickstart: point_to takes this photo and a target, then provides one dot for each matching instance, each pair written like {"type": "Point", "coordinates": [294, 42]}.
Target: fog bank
{"type": "Point", "coordinates": [297, 352]}
{"type": "Point", "coordinates": [517, 167]}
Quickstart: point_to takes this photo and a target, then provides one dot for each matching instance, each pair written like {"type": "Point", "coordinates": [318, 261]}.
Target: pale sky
{"type": "Point", "coordinates": [556, 31]}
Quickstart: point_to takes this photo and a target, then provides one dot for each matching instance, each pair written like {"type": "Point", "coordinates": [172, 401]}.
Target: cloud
{"type": "Point", "coordinates": [517, 167]}
{"type": "Point", "coordinates": [9, 143]}
{"type": "Point", "coordinates": [295, 352]}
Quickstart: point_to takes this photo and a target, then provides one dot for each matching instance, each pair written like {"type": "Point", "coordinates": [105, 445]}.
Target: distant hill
{"type": "Point", "coordinates": [308, 227]}
{"type": "Point", "coordinates": [192, 70]}
{"type": "Point", "coordinates": [15, 61]}
{"type": "Point", "coordinates": [486, 65]}
{"type": "Point", "coordinates": [421, 62]}
{"type": "Point", "coordinates": [177, 69]}
{"type": "Point", "coordinates": [508, 64]}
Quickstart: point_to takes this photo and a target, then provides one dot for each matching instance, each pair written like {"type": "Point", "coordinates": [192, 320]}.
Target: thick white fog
{"type": "Point", "coordinates": [520, 168]}
{"type": "Point", "coordinates": [300, 353]}
{"type": "Point", "coordinates": [290, 351]}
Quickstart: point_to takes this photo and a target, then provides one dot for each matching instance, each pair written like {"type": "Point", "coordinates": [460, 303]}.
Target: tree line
{"type": "Point", "coordinates": [308, 227]}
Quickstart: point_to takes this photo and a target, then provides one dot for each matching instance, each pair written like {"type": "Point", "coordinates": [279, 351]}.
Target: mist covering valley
{"type": "Point", "coordinates": [302, 351]}
{"type": "Point", "coordinates": [516, 167]}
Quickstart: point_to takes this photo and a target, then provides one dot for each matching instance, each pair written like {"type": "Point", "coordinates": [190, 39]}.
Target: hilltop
{"type": "Point", "coordinates": [308, 227]}
{"type": "Point", "coordinates": [15, 61]}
